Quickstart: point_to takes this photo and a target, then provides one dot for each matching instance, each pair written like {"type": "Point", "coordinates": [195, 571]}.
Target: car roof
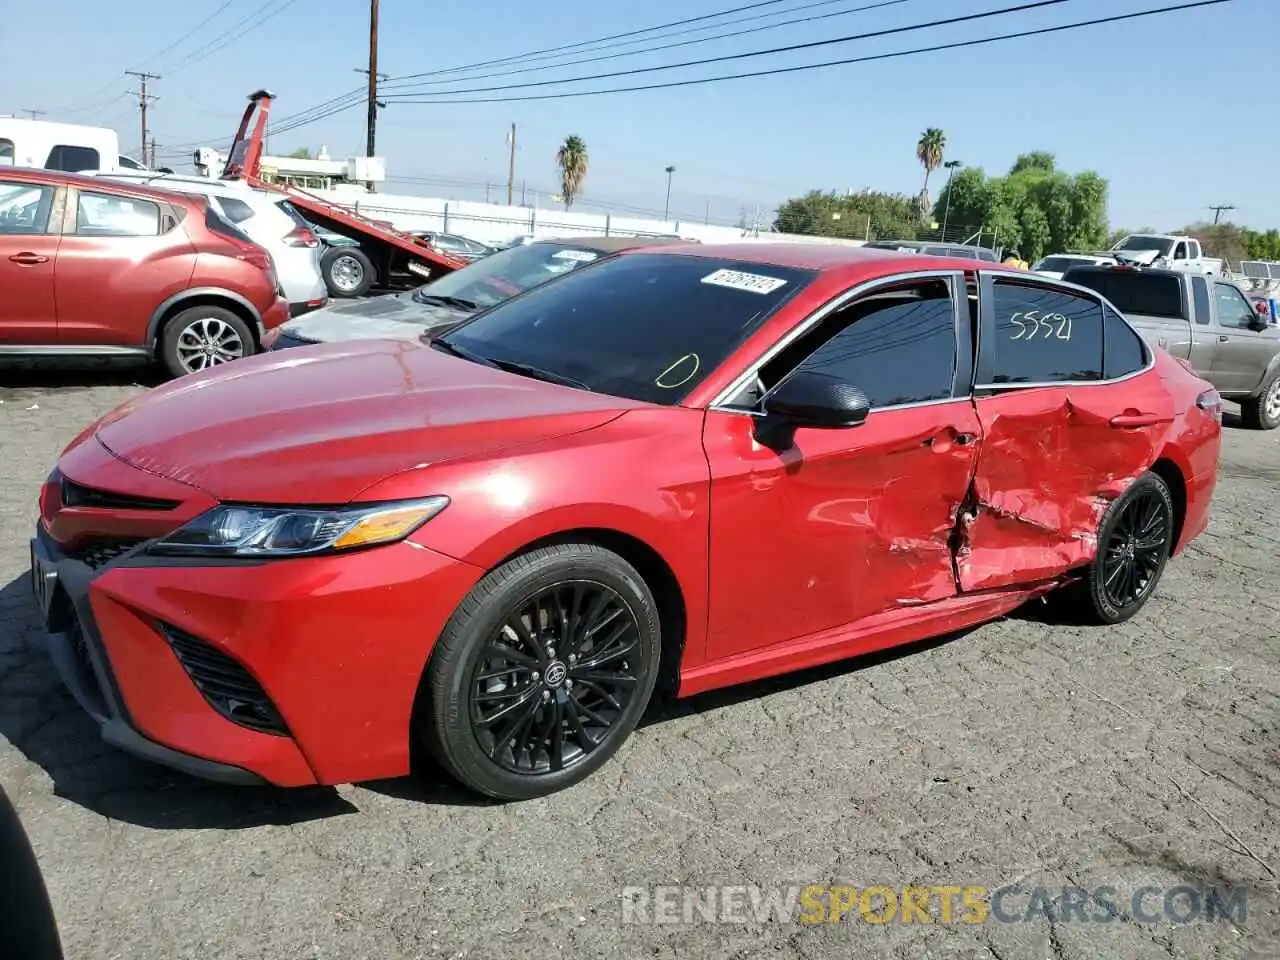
{"type": "Point", "coordinates": [832, 257]}
{"type": "Point", "coordinates": [92, 182]}
{"type": "Point", "coordinates": [612, 244]}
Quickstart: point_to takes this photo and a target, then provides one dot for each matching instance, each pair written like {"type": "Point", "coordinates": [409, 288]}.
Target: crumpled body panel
{"type": "Point", "coordinates": [1050, 465]}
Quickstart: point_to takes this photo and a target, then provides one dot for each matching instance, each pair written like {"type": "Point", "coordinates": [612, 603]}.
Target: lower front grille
{"type": "Point", "coordinates": [226, 685]}
{"type": "Point", "coordinates": [101, 552]}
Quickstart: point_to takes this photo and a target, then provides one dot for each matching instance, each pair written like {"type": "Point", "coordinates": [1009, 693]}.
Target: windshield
{"type": "Point", "coordinates": [647, 326]}
{"type": "Point", "coordinates": [504, 274]}
{"type": "Point", "coordinates": [1062, 264]}
{"type": "Point", "coordinates": [1139, 242]}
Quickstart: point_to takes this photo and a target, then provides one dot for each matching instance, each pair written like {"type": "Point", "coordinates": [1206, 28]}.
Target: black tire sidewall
{"type": "Point", "coordinates": [1104, 610]}
{"type": "Point", "coordinates": [174, 327]}
{"type": "Point", "coordinates": [1255, 410]}
{"type": "Point", "coordinates": [326, 267]}
{"type": "Point", "coordinates": [450, 737]}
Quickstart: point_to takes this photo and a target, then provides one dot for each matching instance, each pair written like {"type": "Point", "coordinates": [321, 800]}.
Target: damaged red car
{"type": "Point", "coordinates": [675, 469]}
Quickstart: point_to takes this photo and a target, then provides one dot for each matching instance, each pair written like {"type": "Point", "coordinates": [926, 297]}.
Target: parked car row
{"type": "Point", "coordinates": [499, 541]}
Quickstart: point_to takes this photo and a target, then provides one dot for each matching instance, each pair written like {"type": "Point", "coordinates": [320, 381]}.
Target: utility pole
{"type": "Point", "coordinates": [1217, 211]}
{"type": "Point", "coordinates": [666, 210]}
{"type": "Point", "coordinates": [152, 164]}
{"type": "Point", "coordinates": [372, 121]}
{"type": "Point", "coordinates": [143, 100]}
{"type": "Point", "coordinates": [511, 168]}
{"type": "Point", "coordinates": [35, 114]}
{"type": "Point", "coordinates": [951, 165]}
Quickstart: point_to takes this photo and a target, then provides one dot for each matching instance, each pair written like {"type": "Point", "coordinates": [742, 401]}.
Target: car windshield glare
{"type": "Point", "coordinates": [496, 278]}
{"type": "Point", "coordinates": [1137, 244]}
{"type": "Point", "coordinates": [646, 326]}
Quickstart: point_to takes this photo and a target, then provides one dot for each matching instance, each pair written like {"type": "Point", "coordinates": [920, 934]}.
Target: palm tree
{"type": "Point", "coordinates": [571, 158]}
{"type": "Point", "coordinates": [929, 150]}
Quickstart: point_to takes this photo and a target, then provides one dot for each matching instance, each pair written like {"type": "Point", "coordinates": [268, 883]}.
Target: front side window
{"type": "Point", "coordinates": [70, 159]}
{"type": "Point", "coordinates": [24, 208]}
{"type": "Point", "coordinates": [108, 215]}
{"type": "Point", "coordinates": [647, 326]}
{"type": "Point", "coordinates": [6, 153]}
{"type": "Point", "coordinates": [897, 347]}
{"type": "Point", "coordinates": [1234, 309]}
{"type": "Point", "coordinates": [1044, 336]}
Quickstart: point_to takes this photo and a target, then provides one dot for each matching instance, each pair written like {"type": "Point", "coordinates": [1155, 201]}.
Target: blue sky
{"type": "Point", "coordinates": [1160, 106]}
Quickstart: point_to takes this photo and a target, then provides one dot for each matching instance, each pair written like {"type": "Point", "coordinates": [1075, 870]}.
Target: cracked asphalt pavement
{"type": "Point", "coordinates": [1023, 751]}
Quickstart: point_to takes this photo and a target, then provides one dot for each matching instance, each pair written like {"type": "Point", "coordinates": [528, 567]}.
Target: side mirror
{"type": "Point", "coordinates": [810, 399]}
{"type": "Point", "coordinates": [1258, 322]}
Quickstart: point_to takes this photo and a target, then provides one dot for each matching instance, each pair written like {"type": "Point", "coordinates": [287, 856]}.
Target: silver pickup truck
{"type": "Point", "coordinates": [1206, 321]}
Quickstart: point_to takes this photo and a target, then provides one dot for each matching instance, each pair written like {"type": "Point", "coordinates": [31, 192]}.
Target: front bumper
{"type": "Point", "coordinates": [336, 646]}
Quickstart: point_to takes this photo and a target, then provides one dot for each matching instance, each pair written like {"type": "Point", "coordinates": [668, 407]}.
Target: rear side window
{"type": "Point", "coordinates": [108, 215]}
{"type": "Point", "coordinates": [72, 159]}
{"type": "Point", "coordinates": [1045, 336]}
{"type": "Point", "coordinates": [237, 211]}
{"type": "Point", "coordinates": [1200, 293]}
{"type": "Point", "coordinates": [292, 212]}
{"type": "Point", "coordinates": [1140, 294]}
{"type": "Point", "coordinates": [1123, 352]}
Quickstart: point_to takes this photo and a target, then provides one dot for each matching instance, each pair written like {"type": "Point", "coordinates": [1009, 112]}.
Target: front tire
{"type": "Point", "coordinates": [202, 337]}
{"type": "Point", "coordinates": [542, 672]}
{"type": "Point", "coordinates": [1134, 544]}
{"type": "Point", "coordinates": [1263, 411]}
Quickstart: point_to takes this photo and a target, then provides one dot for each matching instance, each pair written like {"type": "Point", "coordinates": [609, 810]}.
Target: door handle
{"type": "Point", "coordinates": [1223, 338]}
{"type": "Point", "coordinates": [28, 259]}
{"type": "Point", "coordinates": [1126, 420]}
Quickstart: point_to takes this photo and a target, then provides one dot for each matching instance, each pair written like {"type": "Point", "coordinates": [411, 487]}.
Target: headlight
{"type": "Point", "coordinates": [235, 531]}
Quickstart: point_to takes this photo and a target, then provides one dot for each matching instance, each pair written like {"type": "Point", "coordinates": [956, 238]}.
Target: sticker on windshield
{"type": "Point", "coordinates": [737, 280]}
{"type": "Point", "coordinates": [577, 256]}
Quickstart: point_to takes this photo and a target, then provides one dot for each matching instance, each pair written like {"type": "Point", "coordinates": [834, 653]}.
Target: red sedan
{"type": "Point", "coordinates": [674, 469]}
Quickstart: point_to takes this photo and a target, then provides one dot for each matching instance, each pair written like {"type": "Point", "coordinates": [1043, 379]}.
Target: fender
{"type": "Point", "coordinates": [1266, 376]}
{"type": "Point", "coordinates": [153, 325]}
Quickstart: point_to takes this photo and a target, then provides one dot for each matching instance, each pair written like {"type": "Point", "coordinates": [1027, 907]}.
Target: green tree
{"type": "Point", "coordinates": [1225, 240]}
{"type": "Point", "coordinates": [929, 151]}
{"type": "Point", "coordinates": [302, 153]}
{"type": "Point", "coordinates": [571, 158]}
{"type": "Point", "coordinates": [1036, 207]}
{"type": "Point", "coordinates": [858, 216]}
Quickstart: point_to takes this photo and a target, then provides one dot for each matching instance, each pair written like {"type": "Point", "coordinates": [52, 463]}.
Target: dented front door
{"type": "Point", "coordinates": [844, 525]}
{"type": "Point", "coordinates": [1052, 457]}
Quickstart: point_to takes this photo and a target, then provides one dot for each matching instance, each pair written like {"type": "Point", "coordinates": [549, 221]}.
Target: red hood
{"type": "Point", "coordinates": [321, 424]}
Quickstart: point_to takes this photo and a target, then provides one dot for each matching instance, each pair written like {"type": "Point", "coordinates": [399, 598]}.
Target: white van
{"type": "Point", "coordinates": [68, 147]}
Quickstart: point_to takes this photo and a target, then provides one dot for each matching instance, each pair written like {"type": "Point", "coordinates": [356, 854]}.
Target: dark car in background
{"type": "Point", "coordinates": [454, 245]}
{"type": "Point", "coordinates": [967, 250]}
{"type": "Point", "coordinates": [454, 297]}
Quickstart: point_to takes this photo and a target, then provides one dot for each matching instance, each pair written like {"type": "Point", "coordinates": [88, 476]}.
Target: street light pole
{"type": "Point", "coordinates": [951, 165]}
{"type": "Point", "coordinates": [666, 210]}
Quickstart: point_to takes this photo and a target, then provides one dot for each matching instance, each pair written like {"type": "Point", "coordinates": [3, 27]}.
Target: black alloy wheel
{"type": "Point", "coordinates": [555, 679]}
{"type": "Point", "coordinates": [542, 672]}
{"type": "Point", "coordinates": [1134, 545]}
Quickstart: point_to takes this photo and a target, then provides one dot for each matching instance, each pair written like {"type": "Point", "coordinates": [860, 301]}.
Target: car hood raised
{"type": "Point", "coordinates": [277, 428]}
{"type": "Point", "coordinates": [394, 317]}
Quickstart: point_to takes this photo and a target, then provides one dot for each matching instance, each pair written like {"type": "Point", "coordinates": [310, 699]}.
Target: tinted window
{"type": "Point", "coordinates": [6, 152]}
{"type": "Point", "coordinates": [1045, 336]}
{"type": "Point", "coordinates": [988, 255]}
{"type": "Point", "coordinates": [647, 326]}
{"type": "Point", "coordinates": [107, 215]}
{"type": "Point", "coordinates": [899, 349]}
{"type": "Point", "coordinates": [237, 211]}
{"type": "Point", "coordinates": [72, 159]}
{"type": "Point", "coordinates": [1180, 251]}
{"type": "Point", "coordinates": [1200, 292]}
{"type": "Point", "coordinates": [1061, 264]}
{"type": "Point", "coordinates": [24, 208]}
{"type": "Point", "coordinates": [292, 212]}
{"type": "Point", "coordinates": [1234, 309]}
{"type": "Point", "coordinates": [1122, 349]}
{"type": "Point", "coordinates": [1139, 294]}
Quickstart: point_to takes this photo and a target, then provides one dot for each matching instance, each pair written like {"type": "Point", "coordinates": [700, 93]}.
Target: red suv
{"type": "Point", "coordinates": [94, 268]}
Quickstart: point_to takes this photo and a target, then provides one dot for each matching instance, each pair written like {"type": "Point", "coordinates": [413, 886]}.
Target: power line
{"type": "Point", "coordinates": [937, 48]}
{"type": "Point", "coordinates": [190, 33]}
{"type": "Point", "coordinates": [249, 23]}
{"type": "Point", "coordinates": [749, 54]}
{"type": "Point", "coordinates": [672, 46]}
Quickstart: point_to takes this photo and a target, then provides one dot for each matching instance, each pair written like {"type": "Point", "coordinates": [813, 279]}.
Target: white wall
{"type": "Point", "coordinates": [492, 222]}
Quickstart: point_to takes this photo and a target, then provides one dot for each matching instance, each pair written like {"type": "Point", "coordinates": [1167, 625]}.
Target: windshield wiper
{"type": "Point", "coordinates": [458, 302]}
{"type": "Point", "coordinates": [538, 373]}
{"type": "Point", "coordinates": [444, 345]}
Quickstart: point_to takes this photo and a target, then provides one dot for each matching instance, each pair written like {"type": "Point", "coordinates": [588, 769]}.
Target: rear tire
{"type": "Point", "coordinates": [1263, 411]}
{"type": "Point", "coordinates": [347, 271]}
{"type": "Point", "coordinates": [202, 337]}
{"type": "Point", "coordinates": [542, 672]}
{"type": "Point", "coordinates": [1134, 543]}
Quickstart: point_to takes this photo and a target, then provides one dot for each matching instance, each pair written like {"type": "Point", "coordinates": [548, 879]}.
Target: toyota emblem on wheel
{"type": "Point", "coordinates": [556, 672]}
